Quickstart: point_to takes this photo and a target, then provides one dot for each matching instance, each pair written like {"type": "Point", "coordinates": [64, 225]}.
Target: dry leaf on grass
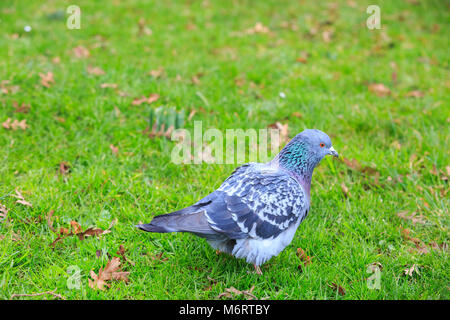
{"type": "Point", "coordinates": [64, 168]}
{"type": "Point", "coordinates": [53, 293]}
{"type": "Point", "coordinates": [15, 236]}
{"type": "Point", "coordinates": [121, 252]}
{"type": "Point", "coordinates": [411, 270]}
{"type": "Point", "coordinates": [47, 79]}
{"type": "Point", "coordinates": [345, 190]}
{"type": "Point", "coordinates": [14, 125]}
{"type": "Point", "coordinates": [413, 217]}
{"type": "Point", "coordinates": [7, 88]}
{"type": "Point", "coordinates": [108, 85]}
{"type": "Point", "coordinates": [379, 89]}
{"type": "Point", "coordinates": [112, 271]}
{"type": "Point", "coordinates": [239, 82]}
{"type": "Point", "coordinates": [161, 133]}
{"type": "Point", "coordinates": [195, 80]}
{"type": "Point", "coordinates": [23, 108]}
{"type": "Point", "coordinates": [3, 212]}
{"type": "Point", "coordinates": [327, 35]}
{"type": "Point", "coordinates": [81, 52]}
{"type": "Point", "coordinates": [96, 71]}
{"type": "Point", "coordinates": [114, 150]}
{"type": "Point", "coordinates": [415, 94]}
{"type": "Point", "coordinates": [75, 229]}
{"type": "Point", "coordinates": [158, 257]}
{"type": "Point", "coordinates": [21, 200]}
{"type": "Point", "coordinates": [143, 30]}
{"type": "Point", "coordinates": [258, 28]}
{"type": "Point", "coordinates": [151, 98]}
{"type": "Point", "coordinates": [283, 130]}
{"type": "Point", "coordinates": [193, 112]}
{"type": "Point", "coordinates": [420, 246]}
{"type": "Point", "coordinates": [303, 257]}
{"type": "Point", "coordinates": [157, 73]}
{"type": "Point", "coordinates": [230, 292]}
{"type": "Point", "coordinates": [302, 59]}
{"type": "Point", "coordinates": [337, 288]}
{"type": "Point", "coordinates": [49, 218]}
{"type": "Point", "coordinates": [355, 165]}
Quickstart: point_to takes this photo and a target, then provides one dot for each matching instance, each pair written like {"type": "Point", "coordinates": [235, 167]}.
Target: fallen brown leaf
{"type": "Point", "coordinates": [337, 288]}
{"type": "Point", "coordinates": [151, 98]}
{"type": "Point", "coordinates": [379, 89]}
{"type": "Point", "coordinates": [303, 257]}
{"type": "Point", "coordinates": [64, 168]}
{"type": "Point", "coordinates": [411, 270]}
{"type": "Point", "coordinates": [355, 165]}
{"type": "Point", "coordinates": [158, 257]}
{"type": "Point", "coordinates": [81, 52]}
{"type": "Point", "coordinates": [413, 217]}
{"type": "Point", "coordinates": [14, 125]}
{"type": "Point", "coordinates": [283, 129]}
{"type": "Point", "coordinates": [75, 226]}
{"type": "Point", "coordinates": [193, 112]}
{"type": "Point", "coordinates": [96, 71]}
{"type": "Point", "coordinates": [122, 252]}
{"type": "Point", "coordinates": [229, 292]}
{"type": "Point", "coordinates": [3, 212]}
{"type": "Point", "coordinates": [111, 272]}
{"type": "Point", "coordinates": [47, 79]}
{"type": "Point", "coordinates": [21, 200]}
{"type": "Point", "coordinates": [302, 59]}
{"type": "Point", "coordinates": [92, 232]}
{"type": "Point", "coordinates": [239, 82]}
{"type": "Point", "coordinates": [156, 73]}
{"type": "Point", "coordinates": [345, 190]}
{"type": "Point", "coordinates": [23, 108]}
{"type": "Point", "coordinates": [50, 220]}
{"type": "Point", "coordinates": [75, 229]}
{"type": "Point", "coordinates": [195, 80]}
{"type": "Point", "coordinates": [7, 88]}
{"type": "Point", "coordinates": [258, 28]}
{"type": "Point", "coordinates": [415, 94]}
{"type": "Point", "coordinates": [327, 35]}
{"type": "Point", "coordinates": [162, 132]}
{"type": "Point", "coordinates": [114, 150]}
{"type": "Point", "coordinates": [108, 85]}
{"type": "Point", "coordinates": [15, 236]}
{"type": "Point", "coordinates": [53, 293]}
{"type": "Point", "coordinates": [143, 29]}
{"type": "Point", "coordinates": [420, 246]}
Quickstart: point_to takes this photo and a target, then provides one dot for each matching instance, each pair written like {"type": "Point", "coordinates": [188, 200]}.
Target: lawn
{"type": "Point", "coordinates": [84, 155]}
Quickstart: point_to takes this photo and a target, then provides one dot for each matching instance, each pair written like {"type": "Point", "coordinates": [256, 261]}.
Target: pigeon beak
{"type": "Point", "coordinates": [333, 152]}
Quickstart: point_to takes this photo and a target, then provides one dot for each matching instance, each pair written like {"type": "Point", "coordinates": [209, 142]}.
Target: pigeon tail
{"type": "Point", "coordinates": [155, 226]}
{"type": "Point", "coordinates": [184, 220]}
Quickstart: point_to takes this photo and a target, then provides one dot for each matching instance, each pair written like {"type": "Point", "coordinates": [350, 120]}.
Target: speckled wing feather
{"type": "Point", "coordinates": [257, 202]}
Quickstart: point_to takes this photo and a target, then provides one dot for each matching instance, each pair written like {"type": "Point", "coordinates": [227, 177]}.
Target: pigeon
{"type": "Point", "coordinates": [256, 211]}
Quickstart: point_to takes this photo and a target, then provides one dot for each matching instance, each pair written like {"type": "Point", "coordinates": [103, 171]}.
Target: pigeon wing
{"type": "Point", "coordinates": [256, 203]}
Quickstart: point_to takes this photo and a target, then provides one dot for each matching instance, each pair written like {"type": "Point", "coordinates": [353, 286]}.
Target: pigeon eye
{"type": "Point", "coordinates": [322, 145]}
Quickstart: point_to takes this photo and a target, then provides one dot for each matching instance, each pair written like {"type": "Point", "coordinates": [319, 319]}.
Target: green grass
{"type": "Point", "coordinates": [401, 137]}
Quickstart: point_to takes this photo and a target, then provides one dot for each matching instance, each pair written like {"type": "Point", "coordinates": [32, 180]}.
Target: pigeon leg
{"type": "Point", "coordinates": [257, 269]}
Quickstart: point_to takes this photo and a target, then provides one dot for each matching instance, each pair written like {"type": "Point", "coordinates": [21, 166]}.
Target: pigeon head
{"type": "Point", "coordinates": [304, 152]}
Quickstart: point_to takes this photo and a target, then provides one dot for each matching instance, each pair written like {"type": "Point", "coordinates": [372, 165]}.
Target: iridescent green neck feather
{"type": "Point", "coordinates": [297, 158]}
